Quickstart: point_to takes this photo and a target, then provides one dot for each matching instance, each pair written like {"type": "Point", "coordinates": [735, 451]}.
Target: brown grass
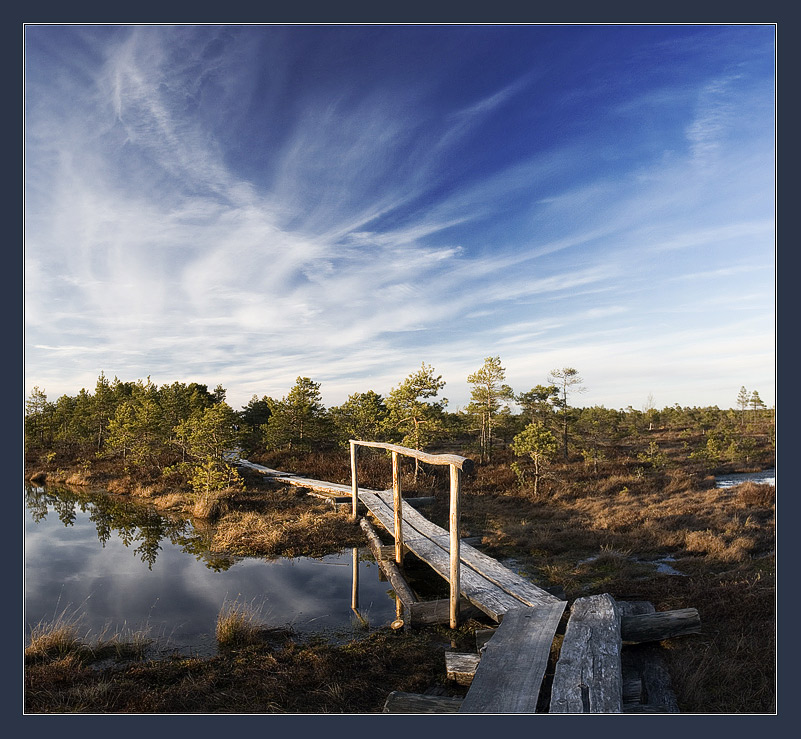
{"type": "Point", "coordinates": [586, 532]}
{"type": "Point", "coordinates": [237, 624]}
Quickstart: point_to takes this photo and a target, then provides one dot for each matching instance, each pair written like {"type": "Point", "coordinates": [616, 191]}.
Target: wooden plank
{"type": "Point", "coordinates": [461, 666]}
{"type": "Point", "coordinates": [482, 593]}
{"type": "Point", "coordinates": [423, 612]}
{"type": "Point", "coordinates": [524, 591]}
{"type": "Point", "coordinates": [510, 673]}
{"type": "Point", "coordinates": [588, 676]}
{"type": "Point", "coordinates": [400, 702]}
{"type": "Point", "coordinates": [462, 463]}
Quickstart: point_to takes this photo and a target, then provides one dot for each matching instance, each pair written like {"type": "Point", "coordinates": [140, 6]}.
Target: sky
{"type": "Point", "coordinates": [246, 204]}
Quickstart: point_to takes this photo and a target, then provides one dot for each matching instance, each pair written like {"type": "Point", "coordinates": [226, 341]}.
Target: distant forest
{"type": "Point", "coordinates": [188, 431]}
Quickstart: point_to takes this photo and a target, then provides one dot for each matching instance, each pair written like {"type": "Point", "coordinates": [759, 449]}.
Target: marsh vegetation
{"type": "Point", "coordinates": [588, 500]}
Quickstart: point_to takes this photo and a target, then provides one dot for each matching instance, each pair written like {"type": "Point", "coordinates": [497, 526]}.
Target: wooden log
{"type": "Point", "coordinates": [400, 702]}
{"type": "Point", "coordinates": [388, 567]}
{"type": "Point", "coordinates": [509, 676]}
{"type": "Point", "coordinates": [588, 676]}
{"type": "Point", "coordinates": [397, 502]}
{"type": "Point", "coordinates": [455, 582]}
{"type": "Point", "coordinates": [354, 481]}
{"type": "Point", "coordinates": [464, 464]}
{"type": "Point", "coordinates": [424, 612]}
{"type": "Point", "coordinates": [461, 666]}
{"type": "Point", "coordinates": [647, 627]}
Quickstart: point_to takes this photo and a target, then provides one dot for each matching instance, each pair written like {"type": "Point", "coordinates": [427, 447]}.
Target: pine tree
{"type": "Point", "coordinates": [488, 398]}
{"type": "Point", "coordinates": [565, 378]}
{"type": "Point", "coordinates": [410, 415]}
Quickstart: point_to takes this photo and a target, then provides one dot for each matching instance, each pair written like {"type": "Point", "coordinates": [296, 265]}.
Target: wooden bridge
{"type": "Point", "coordinates": [506, 674]}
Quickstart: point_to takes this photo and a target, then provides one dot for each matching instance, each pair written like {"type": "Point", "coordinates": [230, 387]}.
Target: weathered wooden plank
{"type": "Point", "coordinates": [464, 464]}
{"type": "Point", "coordinates": [588, 676]}
{"type": "Point", "coordinates": [461, 666]}
{"type": "Point", "coordinates": [526, 592]}
{"type": "Point", "coordinates": [484, 594]}
{"type": "Point", "coordinates": [400, 702]}
{"type": "Point", "coordinates": [660, 625]}
{"type": "Point", "coordinates": [510, 673]}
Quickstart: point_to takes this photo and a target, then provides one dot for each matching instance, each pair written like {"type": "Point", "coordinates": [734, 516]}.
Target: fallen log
{"type": "Point", "coordinates": [649, 627]}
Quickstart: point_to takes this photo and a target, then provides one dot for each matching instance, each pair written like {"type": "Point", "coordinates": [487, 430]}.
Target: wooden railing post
{"type": "Point", "coordinates": [456, 480]}
{"type": "Point", "coordinates": [397, 502]}
{"type": "Point", "coordinates": [354, 480]}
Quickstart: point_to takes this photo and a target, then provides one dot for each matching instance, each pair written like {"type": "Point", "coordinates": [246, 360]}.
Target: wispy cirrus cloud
{"type": "Point", "coordinates": [199, 207]}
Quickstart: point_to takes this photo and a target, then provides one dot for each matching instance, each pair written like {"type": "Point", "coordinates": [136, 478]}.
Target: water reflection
{"type": "Point", "coordinates": [124, 565]}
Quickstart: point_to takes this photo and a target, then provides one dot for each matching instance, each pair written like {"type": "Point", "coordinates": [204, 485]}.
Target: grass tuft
{"type": "Point", "coordinates": [238, 624]}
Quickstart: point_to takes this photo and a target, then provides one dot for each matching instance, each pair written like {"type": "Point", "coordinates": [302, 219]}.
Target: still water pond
{"type": "Point", "coordinates": [124, 567]}
{"type": "Point", "coordinates": [765, 477]}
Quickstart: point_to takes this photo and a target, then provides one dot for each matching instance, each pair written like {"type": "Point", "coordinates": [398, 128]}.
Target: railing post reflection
{"type": "Point", "coordinates": [354, 593]}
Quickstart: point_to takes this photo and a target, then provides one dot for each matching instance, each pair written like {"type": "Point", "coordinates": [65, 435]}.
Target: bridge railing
{"type": "Point", "coordinates": [457, 465]}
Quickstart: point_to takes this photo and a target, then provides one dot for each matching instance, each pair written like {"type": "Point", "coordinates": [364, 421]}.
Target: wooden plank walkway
{"type": "Point", "coordinates": [509, 676]}
{"type": "Point", "coordinates": [484, 581]}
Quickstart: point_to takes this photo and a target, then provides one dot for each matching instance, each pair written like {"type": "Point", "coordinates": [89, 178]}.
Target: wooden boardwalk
{"type": "Point", "coordinates": [506, 674]}
{"type": "Point", "coordinates": [484, 582]}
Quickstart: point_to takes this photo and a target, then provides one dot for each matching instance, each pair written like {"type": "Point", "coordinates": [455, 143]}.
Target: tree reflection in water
{"type": "Point", "coordinates": [138, 526]}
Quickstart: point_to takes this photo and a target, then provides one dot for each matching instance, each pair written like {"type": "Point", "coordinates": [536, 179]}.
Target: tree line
{"type": "Point", "coordinates": [189, 430]}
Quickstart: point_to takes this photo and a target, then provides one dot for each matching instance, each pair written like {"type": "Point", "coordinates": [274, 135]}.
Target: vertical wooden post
{"type": "Point", "coordinates": [456, 475]}
{"type": "Point", "coordinates": [354, 480]}
{"type": "Point", "coordinates": [397, 503]}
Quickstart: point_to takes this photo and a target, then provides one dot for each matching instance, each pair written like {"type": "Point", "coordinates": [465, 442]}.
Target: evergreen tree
{"type": "Point", "coordinates": [299, 418]}
{"type": "Point", "coordinates": [417, 421]}
{"type": "Point", "coordinates": [565, 378]}
{"type": "Point", "coordinates": [489, 397]}
{"type": "Point", "coordinates": [362, 416]}
{"type": "Point", "coordinates": [743, 398]}
{"type": "Point", "coordinates": [539, 445]}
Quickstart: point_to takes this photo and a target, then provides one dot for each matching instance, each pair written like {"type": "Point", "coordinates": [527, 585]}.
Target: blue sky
{"type": "Point", "coordinates": [246, 204]}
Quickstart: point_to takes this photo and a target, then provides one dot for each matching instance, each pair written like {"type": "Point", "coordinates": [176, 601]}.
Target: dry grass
{"type": "Point", "coordinates": [55, 639]}
{"type": "Point", "coordinates": [238, 624]}
{"type": "Point", "coordinates": [307, 530]}
{"type": "Point", "coordinates": [289, 677]}
{"type": "Point", "coordinates": [586, 532]}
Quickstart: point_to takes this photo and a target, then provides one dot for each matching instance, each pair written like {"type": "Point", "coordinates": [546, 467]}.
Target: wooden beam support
{"type": "Point", "coordinates": [397, 502]}
{"type": "Point", "coordinates": [354, 481]}
{"type": "Point", "coordinates": [388, 567]}
{"type": "Point", "coordinates": [455, 583]}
